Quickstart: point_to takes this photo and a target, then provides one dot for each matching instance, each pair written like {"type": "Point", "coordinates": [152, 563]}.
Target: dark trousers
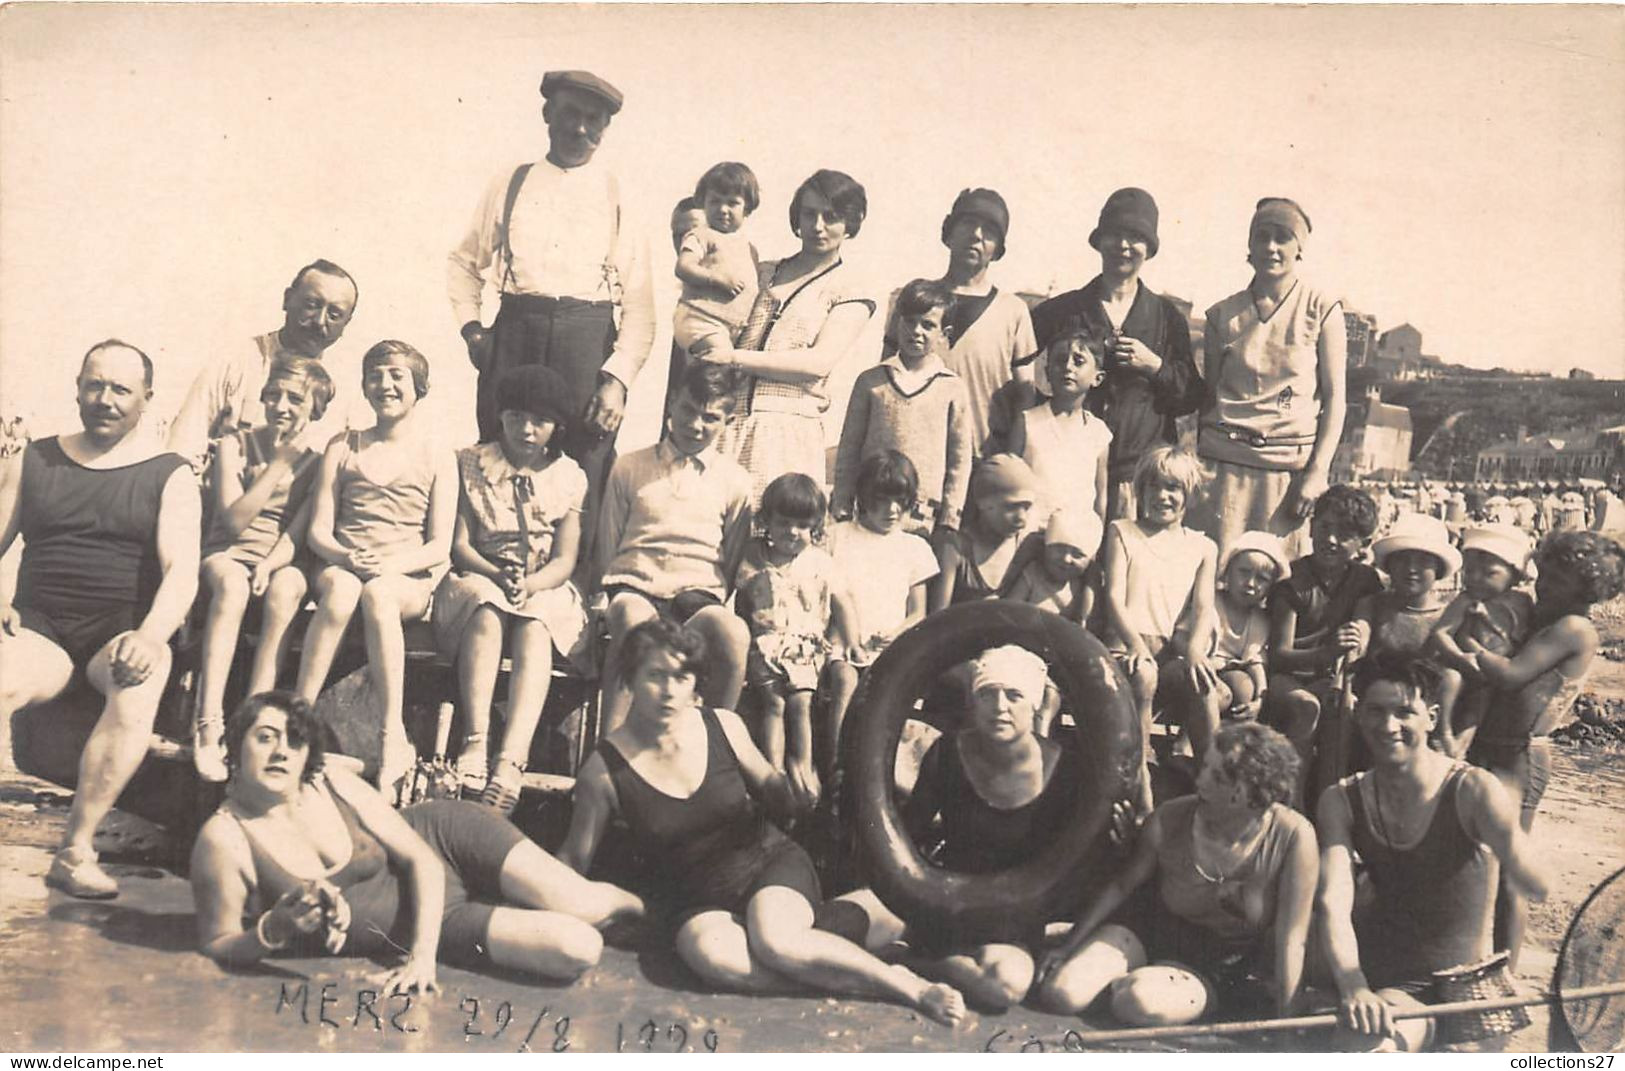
{"type": "Point", "coordinates": [573, 338]}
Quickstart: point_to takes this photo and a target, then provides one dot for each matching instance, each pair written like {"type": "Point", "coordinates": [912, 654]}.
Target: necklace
{"type": "Point", "coordinates": [1251, 838]}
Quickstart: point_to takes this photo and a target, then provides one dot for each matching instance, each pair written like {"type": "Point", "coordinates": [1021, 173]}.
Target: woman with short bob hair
{"type": "Point", "coordinates": [808, 313]}
{"type": "Point", "coordinates": [690, 786]}
{"type": "Point", "coordinates": [306, 856]}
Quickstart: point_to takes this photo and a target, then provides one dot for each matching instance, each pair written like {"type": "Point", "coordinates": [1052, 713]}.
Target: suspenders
{"type": "Point", "coordinates": [504, 227]}
{"type": "Point", "coordinates": [514, 183]}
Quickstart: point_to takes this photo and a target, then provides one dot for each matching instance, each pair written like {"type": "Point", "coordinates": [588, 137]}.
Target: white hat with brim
{"type": "Point", "coordinates": [1259, 543]}
{"type": "Point", "coordinates": [1418, 531]}
{"type": "Point", "coordinates": [1504, 541]}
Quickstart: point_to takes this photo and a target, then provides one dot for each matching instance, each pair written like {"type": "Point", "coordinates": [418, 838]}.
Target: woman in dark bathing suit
{"type": "Point", "coordinates": [687, 780]}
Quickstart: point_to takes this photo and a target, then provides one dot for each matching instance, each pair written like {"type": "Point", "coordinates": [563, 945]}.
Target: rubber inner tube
{"type": "Point", "coordinates": [1010, 903]}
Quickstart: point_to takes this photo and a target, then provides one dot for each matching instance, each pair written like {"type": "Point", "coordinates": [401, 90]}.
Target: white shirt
{"type": "Point", "coordinates": [880, 571]}
{"type": "Point", "coordinates": [570, 237]}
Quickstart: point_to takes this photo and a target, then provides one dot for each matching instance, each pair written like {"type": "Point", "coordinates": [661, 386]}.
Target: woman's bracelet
{"type": "Point", "coordinates": [266, 942]}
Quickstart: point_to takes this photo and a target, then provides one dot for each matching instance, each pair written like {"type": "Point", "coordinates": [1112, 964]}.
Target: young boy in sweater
{"type": "Point", "coordinates": [912, 403]}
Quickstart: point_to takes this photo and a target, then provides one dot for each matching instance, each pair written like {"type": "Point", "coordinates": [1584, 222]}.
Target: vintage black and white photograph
{"type": "Point", "coordinates": [911, 528]}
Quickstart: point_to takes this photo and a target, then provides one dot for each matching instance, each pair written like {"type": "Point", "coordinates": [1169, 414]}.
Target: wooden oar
{"type": "Point", "coordinates": [1314, 1022]}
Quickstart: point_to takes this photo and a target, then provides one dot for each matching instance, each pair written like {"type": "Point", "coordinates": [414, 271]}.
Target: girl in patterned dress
{"type": "Point", "coordinates": [788, 594]}
{"type": "Point", "coordinates": [516, 543]}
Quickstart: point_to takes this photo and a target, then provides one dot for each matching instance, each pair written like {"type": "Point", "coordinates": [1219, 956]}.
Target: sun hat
{"type": "Point", "coordinates": [1504, 541]}
{"type": "Point", "coordinates": [1418, 531]}
{"type": "Point", "coordinates": [1259, 543]}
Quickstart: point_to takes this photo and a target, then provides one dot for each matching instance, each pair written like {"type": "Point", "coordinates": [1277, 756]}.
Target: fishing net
{"type": "Point", "coordinates": [1593, 953]}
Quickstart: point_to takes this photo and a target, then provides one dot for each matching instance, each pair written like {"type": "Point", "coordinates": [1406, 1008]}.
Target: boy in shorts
{"type": "Point", "coordinates": [671, 533]}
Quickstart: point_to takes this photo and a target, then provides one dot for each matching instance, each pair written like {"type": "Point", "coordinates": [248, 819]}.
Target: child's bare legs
{"type": "Point", "coordinates": [227, 584]}
{"type": "Point", "coordinates": [479, 657]}
{"type": "Point", "coordinates": [527, 690]}
{"type": "Point", "coordinates": [770, 728]}
{"type": "Point", "coordinates": [625, 612]}
{"type": "Point", "coordinates": [338, 593]}
{"type": "Point", "coordinates": [284, 598]}
{"type": "Point", "coordinates": [727, 642]}
{"type": "Point", "coordinates": [1240, 686]}
{"type": "Point", "coordinates": [386, 601]}
{"type": "Point", "coordinates": [840, 685]}
{"type": "Point", "coordinates": [798, 757]}
{"type": "Point", "coordinates": [1142, 678]}
{"type": "Point", "coordinates": [1203, 714]}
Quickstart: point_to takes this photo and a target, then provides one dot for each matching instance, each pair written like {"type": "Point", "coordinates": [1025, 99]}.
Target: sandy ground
{"type": "Point", "coordinates": [122, 976]}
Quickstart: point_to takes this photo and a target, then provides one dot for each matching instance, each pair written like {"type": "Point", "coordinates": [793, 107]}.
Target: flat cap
{"type": "Point", "coordinates": [585, 81]}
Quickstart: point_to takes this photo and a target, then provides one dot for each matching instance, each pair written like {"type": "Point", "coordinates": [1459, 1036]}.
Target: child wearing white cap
{"type": "Point", "coordinates": [1495, 557]}
{"type": "Point", "coordinates": [1416, 554]}
{"type": "Point", "coordinates": [1065, 579]}
{"type": "Point", "coordinates": [1241, 635]}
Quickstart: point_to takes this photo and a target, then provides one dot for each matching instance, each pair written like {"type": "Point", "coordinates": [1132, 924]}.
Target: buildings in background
{"type": "Point", "coordinates": [1376, 439]}
{"type": "Point", "coordinates": [1598, 454]}
{"type": "Point", "coordinates": [1362, 337]}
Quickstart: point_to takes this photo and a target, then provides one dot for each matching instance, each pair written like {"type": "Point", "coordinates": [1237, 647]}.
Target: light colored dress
{"type": "Point", "coordinates": [778, 427]}
{"type": "Point", "coordinates": [513, 515]}
{"type": "Point", "coordinates": [880, 570]}
{"type": "Point", "coordinates": [1160, 579]}
{"type": "Point", "coordinates": [1258, 428]}
{"type": "Point", "coordinates": [700, 313]}
{"type": "Point", "coordinates": [1064, 452]}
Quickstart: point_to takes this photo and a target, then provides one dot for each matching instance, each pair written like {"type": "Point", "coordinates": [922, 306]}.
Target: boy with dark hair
{"type": "Point", "coordinates": [1309, 606]}
{"type": "Point", "coordinates": [912, 403]}
{"type": "Point", "coordinates": [1433, 835]}
{"type": "Point", "coordinates": [673, 526]}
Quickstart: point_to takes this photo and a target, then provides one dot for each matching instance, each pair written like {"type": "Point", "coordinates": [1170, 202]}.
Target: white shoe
{"type": "Point", "coordinates": [80, 877]}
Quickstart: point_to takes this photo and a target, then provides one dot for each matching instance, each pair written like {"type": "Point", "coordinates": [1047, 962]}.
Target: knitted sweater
{"type": "Point", "coordinates": [924, 415]}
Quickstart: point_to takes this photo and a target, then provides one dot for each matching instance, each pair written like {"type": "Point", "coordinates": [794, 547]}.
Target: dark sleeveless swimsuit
{"type": "Point", "coordinates": [90, 564]}
{"type": "Point", "coordinates": [714, 849]}
{"type": "Point", "coordinates": [1434, 900]}
{"type": "Point", "coordinates": [979, 838]}
{"type": "Point", "coordinates": [472, 841]}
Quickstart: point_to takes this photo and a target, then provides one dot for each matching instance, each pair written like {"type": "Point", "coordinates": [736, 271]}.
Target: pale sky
{"type": "Point", "coordinates": [163, 170]}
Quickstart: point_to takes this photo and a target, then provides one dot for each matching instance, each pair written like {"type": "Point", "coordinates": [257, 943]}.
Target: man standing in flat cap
{"type": "Point", "coordinates": [573, 273]}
